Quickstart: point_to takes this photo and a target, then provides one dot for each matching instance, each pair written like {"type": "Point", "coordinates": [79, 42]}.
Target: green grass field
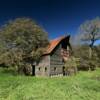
{"type": "Point", "coordinates": [83, 86]}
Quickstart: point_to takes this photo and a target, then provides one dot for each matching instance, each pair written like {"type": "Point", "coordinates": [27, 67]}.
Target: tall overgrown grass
{"type": "Point", "coordinates": [83, 86]}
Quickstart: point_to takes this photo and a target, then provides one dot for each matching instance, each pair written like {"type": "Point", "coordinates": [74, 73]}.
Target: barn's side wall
{"type": "Point", "coordinates": [43, 68]}
{"type": "Point", "coordinates": [56, 63]}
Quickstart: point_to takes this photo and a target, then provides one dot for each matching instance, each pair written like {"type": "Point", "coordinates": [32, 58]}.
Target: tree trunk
{"type": "Point", "coordinates": [90, 52]}
{"type": "Point", "coordinates": [91, 47]}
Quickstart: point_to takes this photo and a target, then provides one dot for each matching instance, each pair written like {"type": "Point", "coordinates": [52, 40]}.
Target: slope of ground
{"type": "Point", "coordinates": [83, 86]}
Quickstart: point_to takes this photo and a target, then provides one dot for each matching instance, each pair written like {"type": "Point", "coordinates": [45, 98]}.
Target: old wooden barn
{"type": "Point", "coordinates": [52, 61]}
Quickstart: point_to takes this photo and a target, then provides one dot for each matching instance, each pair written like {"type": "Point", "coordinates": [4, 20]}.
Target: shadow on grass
{"type": "Point", "coordinates": [8, 71]}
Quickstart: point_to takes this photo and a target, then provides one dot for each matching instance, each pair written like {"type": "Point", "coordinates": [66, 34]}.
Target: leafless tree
{"type": "Point", "coordinates": [89, 32]}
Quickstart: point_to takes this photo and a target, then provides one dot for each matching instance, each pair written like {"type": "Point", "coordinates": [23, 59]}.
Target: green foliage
{"type": "Point", "coordinates": [21, 39]}
{"type": "Point", "coordinates": [71, 62]}
{"type": "Point", "coordinates": [71, 65]}
{"type": "Point", "coordinates": [87, 63]}
{"type": "Point", "coordinates": [88, 34]}
{"type": "Point", "coordinates": [83, 86]}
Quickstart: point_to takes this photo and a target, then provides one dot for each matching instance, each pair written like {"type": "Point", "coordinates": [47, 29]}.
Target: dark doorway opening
{"type": "Point", "coordinates": [63, 69]}
{"type": "Point", "coordinates": [33, 70]}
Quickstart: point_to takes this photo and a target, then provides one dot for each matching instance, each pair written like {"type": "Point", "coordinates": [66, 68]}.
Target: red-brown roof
{"type": "Point", "coordinates": [53, 44]}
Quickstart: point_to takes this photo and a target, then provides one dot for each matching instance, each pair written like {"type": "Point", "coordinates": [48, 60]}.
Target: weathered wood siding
{"type": "Point", "coordinates": [56, 63]}
{"type": "Point", "coordinates": [43, 68]}
{"type": "Point", "coordinates": [53, 63]}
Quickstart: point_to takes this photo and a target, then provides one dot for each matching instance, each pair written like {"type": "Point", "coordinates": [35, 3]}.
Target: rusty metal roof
{"type": "Point", "coordinates": [53, 44]}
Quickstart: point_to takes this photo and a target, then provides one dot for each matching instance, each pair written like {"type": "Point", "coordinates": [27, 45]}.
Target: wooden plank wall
{"type": "Point", "coordinates": [56, 63]}
{"type": "Point", "coordinates": [43, 68]}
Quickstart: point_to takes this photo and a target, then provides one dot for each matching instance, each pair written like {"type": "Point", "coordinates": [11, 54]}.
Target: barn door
{"type": "Point", "coordinates": [33, 70]}
{"type": "Point", "coordinates": [63, 70]}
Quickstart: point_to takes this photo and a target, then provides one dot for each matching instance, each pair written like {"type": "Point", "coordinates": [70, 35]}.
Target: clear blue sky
{"type": "Point", "coordinates": [57, 17]}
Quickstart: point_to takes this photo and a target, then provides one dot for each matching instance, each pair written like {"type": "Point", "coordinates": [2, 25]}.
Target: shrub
{"type": "Point", "coordinates": [71, 66]}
